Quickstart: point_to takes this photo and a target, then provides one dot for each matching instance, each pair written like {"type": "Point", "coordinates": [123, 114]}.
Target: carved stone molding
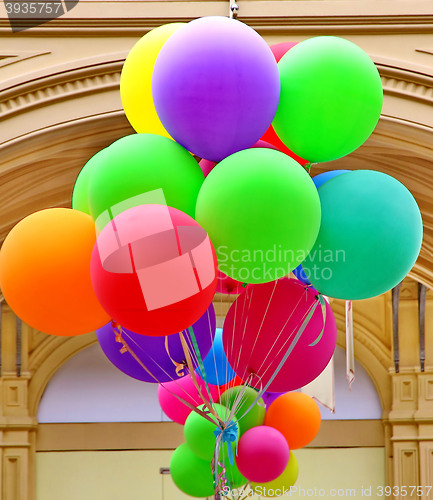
{"type": "Point", "coordinates": [16, 56]}
{"type": "Point", "coordinates": [48, 90]}
{"type": "Point", "coordinates": [366, 17]}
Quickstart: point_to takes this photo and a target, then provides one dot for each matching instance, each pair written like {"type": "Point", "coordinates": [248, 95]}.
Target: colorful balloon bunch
{"type": "Point", "coordinates": [171, 231]}
{"type": "Point", "coordinates": [242, 442]}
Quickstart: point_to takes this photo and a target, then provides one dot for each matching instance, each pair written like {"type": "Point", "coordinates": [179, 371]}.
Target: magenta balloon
{"type": "Point", "coordinates": [156, 353]}
{"type": "Point", "coordinates": [264, 144]}
{"type": "Point", "coordinates": [206, 166]}
{"type": "Point", "coordinates": [263, 454]}
{"type": "Point", "coordinates": [184, 388]}
{"type": "Point", "coordinates": [216, 86]}
{"type": "Point", "coordinates": [259, 328]}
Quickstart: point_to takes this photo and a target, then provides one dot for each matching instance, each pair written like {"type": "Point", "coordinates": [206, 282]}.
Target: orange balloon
{"type": "Point", "coordinates": [296, 416]}
{"type": "Point", "coordinates": [45, 272]}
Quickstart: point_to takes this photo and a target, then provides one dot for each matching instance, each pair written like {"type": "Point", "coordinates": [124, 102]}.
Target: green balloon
{"type": "Point", "coordinates": [199, 433]}
{"type": "Point", "coordinates": [369, 239]}
{"type": "Point", "coordinates": [80, 200]}
{"type": "Point", "coordinates": [140, 169]}
{"type": "Point", "coordinates": [262, 212]}
{"type": "Point", "coordinates": [191, 474]}
{"type": "Point", "coordinates": [256, 416]}
{"type": "Point", "coordinates": [282, 483]}
{"type": "Point", "coordinates": [331, 98]}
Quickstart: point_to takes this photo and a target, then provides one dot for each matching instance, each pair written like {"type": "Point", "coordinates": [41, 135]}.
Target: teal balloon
{"type": "Point", "coordinates": [80, 193]}
{"type": "Point", "coordinates": [331, 98]}
{"type": "Point", "coordinates": [199, 433]}
{"type": "Point", "coordinates": [141, 169]}
{"type": "Point", "coordinates": [262, 213]}
{"type": "Point", "coordinates": [369, 238]}
{"type": "Point", "coordinates": [191, 474]}
{"type": "Point", "coordinates": [256, 416]}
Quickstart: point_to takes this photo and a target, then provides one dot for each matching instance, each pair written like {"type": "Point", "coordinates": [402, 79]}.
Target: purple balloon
{"type": "Point", "coordinates": [270, 397]}
{"type": "Point", "coordinates": [216, 86]}
{"type": "Point", "coordinates": [152, 351]}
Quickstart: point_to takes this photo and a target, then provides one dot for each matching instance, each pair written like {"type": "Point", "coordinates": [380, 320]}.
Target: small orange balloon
{"type": "Point", "coordinates": [45, 272]}
{"type": "Point", "coordinates": [296, 416]}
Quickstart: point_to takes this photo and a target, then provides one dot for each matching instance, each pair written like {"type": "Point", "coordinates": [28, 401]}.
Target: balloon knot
{"type": "Point", "coordinates": [229, 435]}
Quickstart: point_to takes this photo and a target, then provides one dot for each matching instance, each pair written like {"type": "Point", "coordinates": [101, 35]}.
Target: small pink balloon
{"type": "Point", "coordinates": [263, 454]}
{"type": "Point", "coordinates": [184, 388]}
{"type": "Point", "coordinates": [207, 165]}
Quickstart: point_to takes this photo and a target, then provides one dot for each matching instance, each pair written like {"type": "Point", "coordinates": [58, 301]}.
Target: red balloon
{"type": "Point", "coordinates": [270, 136]}
{"type": "Point", "coordinates": [228, 285]}
{"type": "Point", "coordinates": [154, 270]}
{"type": "Point", "coordinates": [233, 383]}
{"type": "Point", "coordinates": [260, 326]}
{"type": "Point", "coordinates": [279, 49]}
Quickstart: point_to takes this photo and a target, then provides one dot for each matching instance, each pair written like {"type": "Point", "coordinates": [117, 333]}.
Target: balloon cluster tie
{"type": "Point", "coordinates": [117, 329]}
{"type": "Point", "coordinates": [229, 435]}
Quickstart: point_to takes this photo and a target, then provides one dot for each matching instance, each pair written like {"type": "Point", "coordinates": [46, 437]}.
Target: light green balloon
{"type": "Point", "coordinates": [199, 433]}
{"type": "Point", "coordinates": [80, 193]}
{"type": "Point", "coordinates": [140, 169]}
{"type": "Point", "coordinates": [369, 239]}
{"type": "Point", "coordinates": [256, 416]}
{"type": "Point", "coordinates": [191, 474]}
{"type": "Point", "coordinates": [282, 483]}
{"type": "Point", "coordinates": [262, 212]}
{"type": "Point", "coordinates": [331, 98]}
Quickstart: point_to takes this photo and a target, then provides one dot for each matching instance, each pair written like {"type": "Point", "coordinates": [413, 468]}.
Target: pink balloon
{"type": "Point", "coordinates": [264, 144]}
{"type": "Point", "coordinates": [207, 165]}
{"type": "Point", "coordinates": [184, 388]}
{"type": "Point", "coordinates": [263, 454]}
{"type": "Point", "coordinates": [259, 328]}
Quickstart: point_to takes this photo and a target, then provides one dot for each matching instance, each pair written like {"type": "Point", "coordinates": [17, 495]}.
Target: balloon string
{"type": "Point", "coordinates": [214, 467]}
{"type": "Point", "coordinates": [285, 343]}
{"type": "Point", "coordinates": [322, 303]}
{"type": "Point", "coordinates": [250, 295]}
{"type": "Point", "coordinates": [277, 337]}
{"type": "Point", "coordinates": [126, 348]}
{"type": "Point", "coordinates": [285, 357]}
{"type": "Point", "coordinates": [180, 367]}
{"type": "Point", "coordinates": [199, 358]}
{"type": "Point", "coordinates": [195, 382]}
{"type": "Point", "coordinates": [155, 361]}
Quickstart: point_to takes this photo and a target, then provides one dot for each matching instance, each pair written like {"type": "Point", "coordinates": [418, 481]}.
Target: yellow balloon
{"type": "Point", "coordinates": [281, 485]}
{"type": "Point", "coordinates": [136, 80]}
